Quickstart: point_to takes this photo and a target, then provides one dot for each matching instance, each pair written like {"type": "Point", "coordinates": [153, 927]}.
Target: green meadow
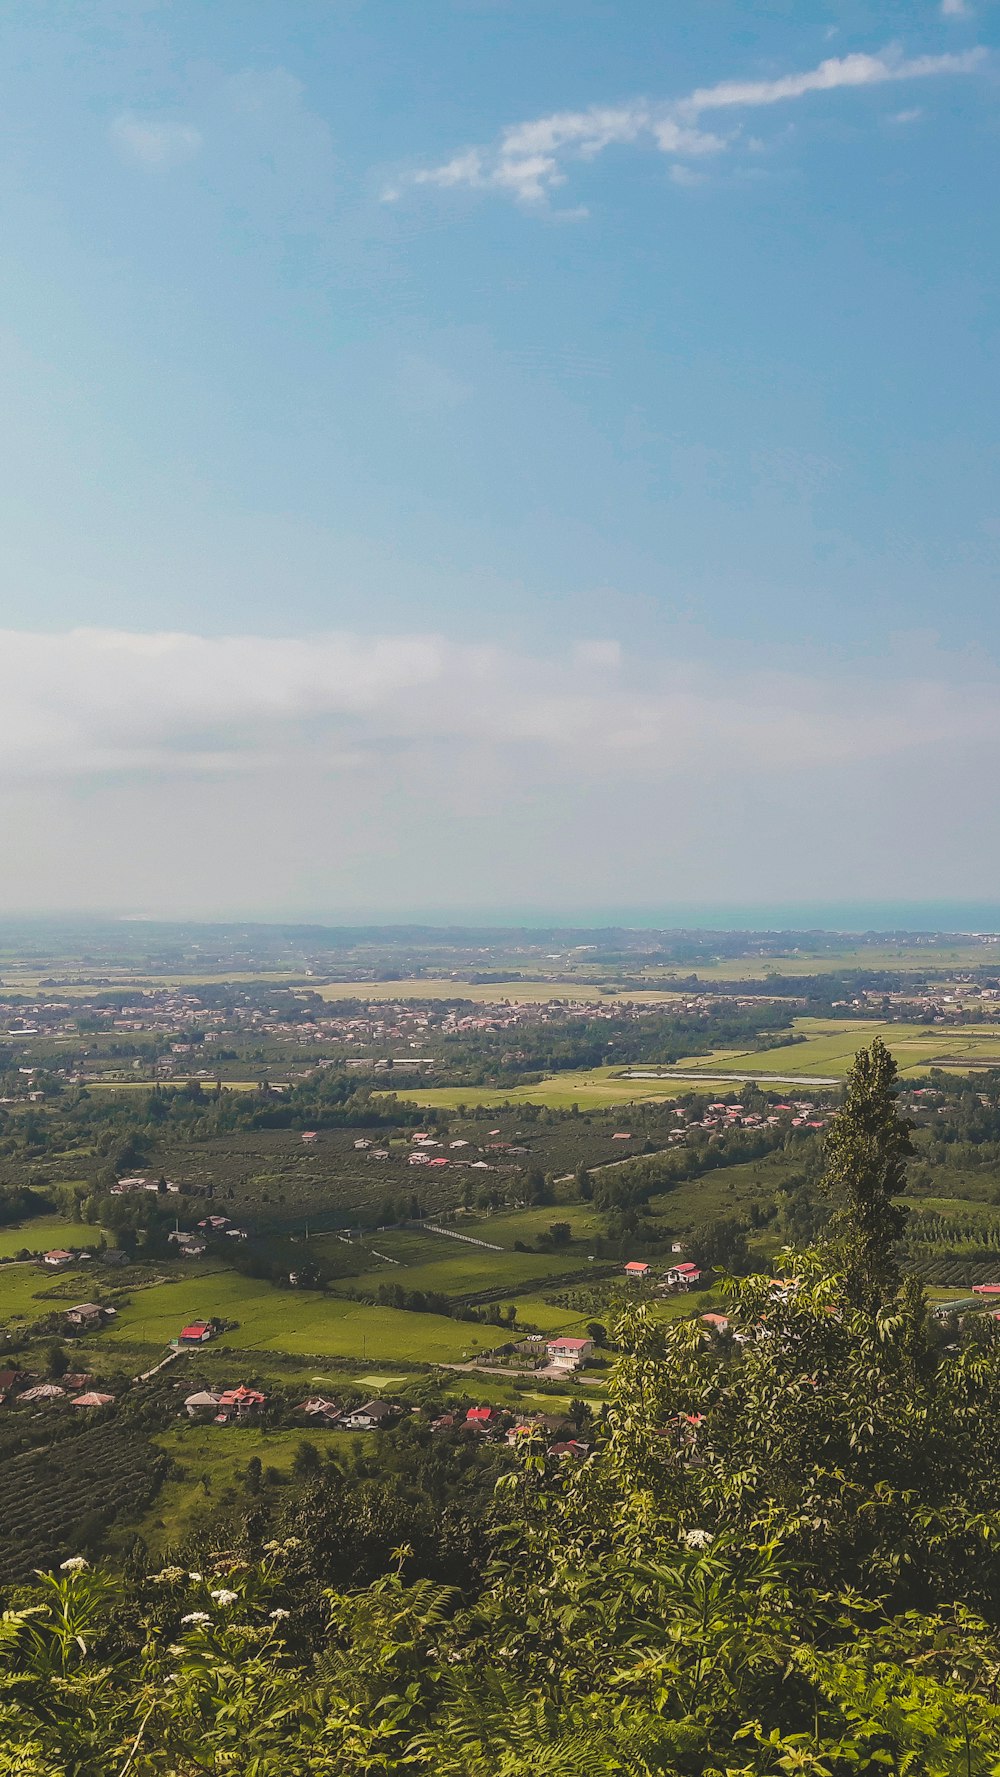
{"type": "Point", "coordinates": [526, 992]}
{"type": "Point", "coordinates": [208, 1459]}
{"type": "Point", "coordinates": [300, 1322]}
{"type": "Point", "coordinates": [825, 1052]}
{"type": "Point", "coordinates": [596, 1088]}
{"type": "Point", "coordinates": [829, 1047]}
{"type": "Point", "coordinates": [45, 1233]}
{"type": "Point", "coordinates": [23, 1287]}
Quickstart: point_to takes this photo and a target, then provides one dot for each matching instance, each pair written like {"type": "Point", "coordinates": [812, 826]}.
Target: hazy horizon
{"type": "Point", "coordinates": [944, 918]}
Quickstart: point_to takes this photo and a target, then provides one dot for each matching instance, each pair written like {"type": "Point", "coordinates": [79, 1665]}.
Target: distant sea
{"type": "Point", "coordinates": [733, 916]}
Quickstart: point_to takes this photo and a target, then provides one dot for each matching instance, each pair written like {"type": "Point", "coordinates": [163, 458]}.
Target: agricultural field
{"type": "Point", "coordinates": [468, 1270]}
{"type": "Point", "coordinates": [727, 1191]}
{"type": "Point", "coordinates": [26, 1291]}
{"type": "Point", "coordinates": [823, 1056]}
{"type": "Point", "coordinates": [918, 959]}
{"type": "Point", "coordinates": [528, 1224]}
{"type": "Point", "coordinates": [45, 1234]}
{"type": "Point", "coordinates": [54, 1498]}
{"type": "Point", "coordinates": [277, 1180]}
{"type": "Point", "coordinates": [523, 992]}
{"type": "Point", "coordinates": [829, 1047]}
{"type": "Point", "coordinates": [301, 1322]}
{"type": "Point", "coordinates": [596, 1088]}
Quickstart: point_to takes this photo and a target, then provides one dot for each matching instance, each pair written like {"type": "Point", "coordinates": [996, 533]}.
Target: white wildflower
{"type": "Point", "coordinates": [279, 1615]}
{"type": "Point", "coordinates": [224, 1597]}
{"type": "Point", "coordinates": [698, 1539]}
{"type": "Point", "coordinates": [196, 1616]}
{"type": "Point", "coordinates": [75, 1564]}
{"type": "Point", "coordinates": [195, 1576]}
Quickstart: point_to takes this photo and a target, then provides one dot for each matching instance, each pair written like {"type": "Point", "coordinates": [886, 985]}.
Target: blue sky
{"type": "Point", "coordinates": [531, 453]}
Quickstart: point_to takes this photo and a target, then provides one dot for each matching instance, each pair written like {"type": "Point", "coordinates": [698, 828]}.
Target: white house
{"type": "Point", "coordinates": [568, 1354]}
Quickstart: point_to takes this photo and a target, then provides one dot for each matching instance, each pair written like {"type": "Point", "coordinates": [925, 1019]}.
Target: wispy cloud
{"type": "Point", "coordinates": [955, 9]}
{"type": "Point", "coordinates": [99, 702]}
{"type": "Point", "coordinates": [154, 143]}
{"type": "Point", "coordinates": [529, 161]}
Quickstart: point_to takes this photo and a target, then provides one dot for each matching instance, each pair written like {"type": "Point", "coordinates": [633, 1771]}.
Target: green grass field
{"type": "Point", "coordinates": [591, 1088]}
{"type": "Point", "coordinates": [465, 1270]}
{"type": "Point", "coordinates": [210, 1459]}
{"type": "Point", "coordinates": [897, 957]}
{"type": "Point", "coordinates": [826, 1054]}
{"type": "Point", "coordinates": [303, 1323]}
{"type": "Point", "coordinates": [21, 1288]}
{"type": "Point", "coordinates": [831, 1044]}
{"type": "Point", "coordinates": [526, 992]}
{"type": "Point", "coordinates": [300, 1322]}
{"type": "Point", "coordinates": [44, 1233]}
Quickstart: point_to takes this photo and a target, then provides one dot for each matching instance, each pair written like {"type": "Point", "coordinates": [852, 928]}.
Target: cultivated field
{"type": "Point", "coordinates": [527, 992]}
{"type": "Point", "coordinates": [825, 1055]}
{"type": "Point", "coordinates": [595, 1088]}
{"type": "Point", "coordinates": [301, 1322]}
{"type": "Point", "coordinates": [831, 1044]}
{"type": "Point", "coordinates": [45, 1234]}
{"type": "Point", "coordinates": [912, 958]}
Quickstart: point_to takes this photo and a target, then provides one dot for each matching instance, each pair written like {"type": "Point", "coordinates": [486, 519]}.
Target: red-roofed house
{"type": "Point", "coordinates": [239, 1403]}
{"type": "Point", "coordinates": [684, 1275]}
{"type": "Point", "coordinates": [719, 1323]}
{"type": "Point", "coordinates": [197, 1333]}
{"type": "Point", "coordinates": [986, 1289]}
{"type": "Point", "coordinates": [482, 1418]}
{"type": "Point", "coordinates": [568, 1354]}
{"type": "Point", "coordinates": [636, 1268]}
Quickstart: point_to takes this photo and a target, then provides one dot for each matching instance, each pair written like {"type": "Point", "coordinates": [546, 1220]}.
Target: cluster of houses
{"type": "Point", "coordinates": [684, 1275]}
{"type": "Point", "coordinates": [20, 1388]}
{"type": "Point", "coordinates": [194, 1245]}
{"type": "Point", "coordinates": [497, 1423]}
{"type": "Point", "coordinates": [423, 1145]}
{"type": "Point", "coordinates": [126, 1187]}
{"type": "Point", "coordinates": [237, 1406]}
{"type": "Point", "coordinates": [719, 1117]}
{"type": "Point", "coordinates": [226, 1406]}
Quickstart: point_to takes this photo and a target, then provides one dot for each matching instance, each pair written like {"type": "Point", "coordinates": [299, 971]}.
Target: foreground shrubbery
{"type": "Point", "coordinates": [776, 1561]}
{"type": "Point", "coordinates": [780, 1557]}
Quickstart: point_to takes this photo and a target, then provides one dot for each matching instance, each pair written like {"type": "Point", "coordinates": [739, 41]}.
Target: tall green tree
{"type": "Point", "coordinates": [866, 1152]}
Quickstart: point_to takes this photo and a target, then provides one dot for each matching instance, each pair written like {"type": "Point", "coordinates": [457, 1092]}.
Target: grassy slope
{"type": "Point", "coordinates": [216, 1455]}
{"type": "Point", "coordinates": [43, 1233]}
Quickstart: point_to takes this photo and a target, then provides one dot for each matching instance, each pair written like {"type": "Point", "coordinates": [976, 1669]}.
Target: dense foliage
{"type": "Point", "coordinates": [779, 1556]}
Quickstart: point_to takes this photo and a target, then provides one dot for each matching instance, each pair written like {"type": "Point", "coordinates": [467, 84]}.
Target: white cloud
{"type": "Point", "coordinates": [528, 162]}
{"type": "Point", "coordinates": [155, 143]}
{"type": "Point", "coordinates": [955, 9]}
{"type": "Point", "coordinates": [94, 702]}
{"type": "Point", "coordinates": [836, 72]}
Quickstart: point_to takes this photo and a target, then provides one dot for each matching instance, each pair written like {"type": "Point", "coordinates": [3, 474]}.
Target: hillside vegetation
{"type": "Point", "coordinates": [777, 1555]}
